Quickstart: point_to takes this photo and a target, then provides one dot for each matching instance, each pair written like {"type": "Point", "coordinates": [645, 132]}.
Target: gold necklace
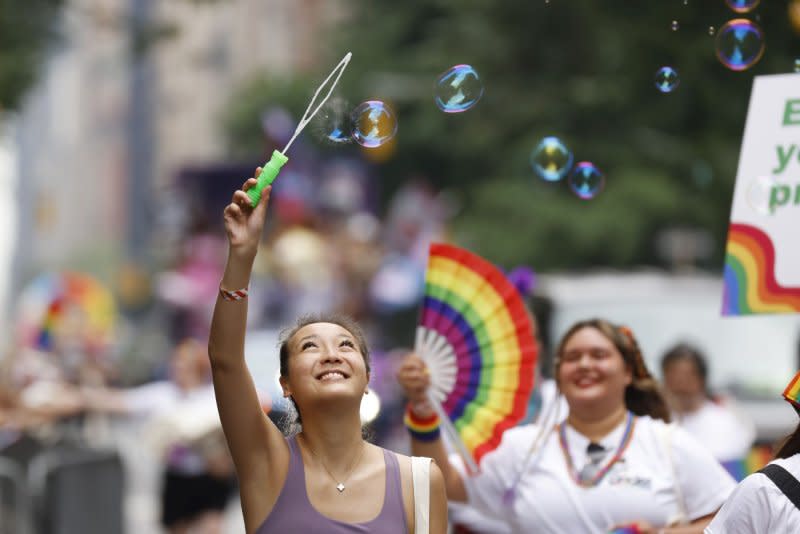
{"type": "Point", "coordinates": [339, 485]}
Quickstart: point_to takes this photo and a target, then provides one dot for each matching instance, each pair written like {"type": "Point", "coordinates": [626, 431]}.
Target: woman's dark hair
{"type": "Point", "coordinates": [790, 445]}
{"type": "Point", "coordinates": [684, 351]}
{"type": "Point", "coordinates": [643, 395]}
{"type": "Point", "coordinates": [294, 421]}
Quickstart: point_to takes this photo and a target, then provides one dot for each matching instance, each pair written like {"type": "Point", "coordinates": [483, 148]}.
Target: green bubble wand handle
{"type": "Point", "coordinates": [271, 169]}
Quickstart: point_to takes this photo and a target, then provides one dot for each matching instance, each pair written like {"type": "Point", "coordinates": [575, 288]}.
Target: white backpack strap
{"type": "Point", "coordinates": [421, 475]}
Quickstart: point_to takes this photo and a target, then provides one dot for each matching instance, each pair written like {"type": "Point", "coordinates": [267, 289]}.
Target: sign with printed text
{"type": "Point", "coordinates": [762, 255]}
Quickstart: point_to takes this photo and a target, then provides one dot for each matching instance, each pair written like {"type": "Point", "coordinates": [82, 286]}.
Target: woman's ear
{"type": "Point", "coordinates": [285, 387]}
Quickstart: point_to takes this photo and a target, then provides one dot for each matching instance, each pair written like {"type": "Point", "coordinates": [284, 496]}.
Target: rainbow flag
{"type": "Point", "coordinates": [792, 391]}
{"type": "Point", "coordinates": [758, 457]}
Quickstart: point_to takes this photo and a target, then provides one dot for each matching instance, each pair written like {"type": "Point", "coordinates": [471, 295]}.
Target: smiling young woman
{"type": "Point", "coordinates": [326, 477]}
{"type": "Point", "coordinates": [613, 461]}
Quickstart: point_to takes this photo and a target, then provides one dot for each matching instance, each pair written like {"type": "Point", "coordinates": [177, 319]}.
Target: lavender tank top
{"type": "Point", "coordinates": [293, 512]}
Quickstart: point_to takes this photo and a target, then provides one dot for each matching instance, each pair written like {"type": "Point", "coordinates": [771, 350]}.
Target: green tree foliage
{"type": "Point", "coordinates": [582, 70]}
{"type": "Point", "coordinates": [26, 28]}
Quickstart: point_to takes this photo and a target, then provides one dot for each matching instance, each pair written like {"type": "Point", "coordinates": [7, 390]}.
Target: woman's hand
{"type": "Point", "coordinates": [414, 377]}
{"type": "Point", "coordinates": [243, 223]}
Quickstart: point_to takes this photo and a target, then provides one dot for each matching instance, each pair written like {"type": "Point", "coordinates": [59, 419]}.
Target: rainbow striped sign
{"type": "Point", "coordinates": [477, 338]}
{"type": "Point", "coordinates": [762, 258]}
{"type": "Point", "coordinates": [749, 279]}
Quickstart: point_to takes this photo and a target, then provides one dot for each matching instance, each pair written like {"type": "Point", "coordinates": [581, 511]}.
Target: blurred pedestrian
{"type": "Point", "coordinates": [613, 461]}
{"type": "Point", "coordinates": [714, 422]}
{"type": "Point", "coordinates": [198, 479]}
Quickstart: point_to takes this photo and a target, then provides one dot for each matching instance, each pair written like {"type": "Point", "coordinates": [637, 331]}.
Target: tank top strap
{"type": "Point", "coordinates": [295, 483]}
{"type": "Point", "coordinates": [393, 509]}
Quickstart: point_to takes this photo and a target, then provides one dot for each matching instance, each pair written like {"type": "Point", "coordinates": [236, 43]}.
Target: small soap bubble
{"type": "Point", "coordinates": [334, 123]}
{"type": "Point", "coordinates": [711, 30]}
{"type": "Point", "coordinates": [742, 6]}
{"type": "Point", "coordinates": [374, 123]}
{"type": "Point", "coordinates": [686, 2]}
{"type": "Point", "coordinates": [797, 65]}
{"type": "Point", "coordinates": [551, 159]}
{"type": "Point", "coordinates": [675, 26]}
{"type": "Point", "coordinates": [740, 44]}
{"type": "Point", "coordinates": [667, 79]}
{"type": "Point", "coordinates": [458, 89]}
{"type": "Point", "coordinates": [759, 194]}
{"type": "Point", "coordinates": [586, 180]}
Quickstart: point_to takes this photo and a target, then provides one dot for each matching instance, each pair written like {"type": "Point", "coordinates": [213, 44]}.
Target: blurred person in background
{"type": "Point", "coordinates": [714, 422]}
{"type": "Point", "coordinates": [325, 478]}
{"type": "Point", "coordinates": [767, 501]}
{"type": "Point", "coordinates": [198, 478]}
{"type": "Point", "coordinates": [613, 462]}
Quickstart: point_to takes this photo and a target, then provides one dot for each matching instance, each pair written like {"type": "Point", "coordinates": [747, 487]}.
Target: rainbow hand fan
{"type": "Point", "coordinates": [476, 336]}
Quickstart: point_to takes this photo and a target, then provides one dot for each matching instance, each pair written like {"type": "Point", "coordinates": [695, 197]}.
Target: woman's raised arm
{"type": "Point", "coordinates": [257, 446]}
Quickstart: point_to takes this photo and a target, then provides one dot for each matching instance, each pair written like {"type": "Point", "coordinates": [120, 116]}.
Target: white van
{"type": "Point", "coordinates": [750, 357]}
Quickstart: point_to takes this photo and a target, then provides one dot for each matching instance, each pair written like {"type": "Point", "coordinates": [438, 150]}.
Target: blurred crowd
{"type": "Point", "coordinates": [70, 381]}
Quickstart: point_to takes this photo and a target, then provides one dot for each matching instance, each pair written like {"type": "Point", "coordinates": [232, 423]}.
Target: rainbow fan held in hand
{"type": "Point", "coordinates": [477, 338]}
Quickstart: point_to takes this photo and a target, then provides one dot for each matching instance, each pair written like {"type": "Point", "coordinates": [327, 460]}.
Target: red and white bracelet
{"type": "Point", "coordinates": [238, 294]}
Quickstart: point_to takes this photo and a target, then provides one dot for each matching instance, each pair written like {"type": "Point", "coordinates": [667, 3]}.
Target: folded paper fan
{"type": "Point", "coordinates": [476, 336]}
{"type": "Point", "coordinates": [65, 303]}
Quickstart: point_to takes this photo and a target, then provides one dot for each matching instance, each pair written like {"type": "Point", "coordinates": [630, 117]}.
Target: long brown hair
{"type": "Point", "coordinates": [790, 445]}
{"type": "Point", "coordinates": [642, 395]}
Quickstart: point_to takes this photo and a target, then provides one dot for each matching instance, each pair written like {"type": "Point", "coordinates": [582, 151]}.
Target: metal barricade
{"type": "Point", "coordinates": [14, 509]}
{"type": "Point", "coordinates": [77, 491]}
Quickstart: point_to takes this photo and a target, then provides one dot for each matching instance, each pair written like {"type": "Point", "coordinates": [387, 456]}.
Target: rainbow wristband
{"type": "Point", "coordinates": [421, 428]}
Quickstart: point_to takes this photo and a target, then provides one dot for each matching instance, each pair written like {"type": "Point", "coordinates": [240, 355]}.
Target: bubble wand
{"type": "Point", "coordinates": [271, 169]}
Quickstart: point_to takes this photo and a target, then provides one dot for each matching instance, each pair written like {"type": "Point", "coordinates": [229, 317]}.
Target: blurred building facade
{"type": "Point", "coordinates": [132, 91]}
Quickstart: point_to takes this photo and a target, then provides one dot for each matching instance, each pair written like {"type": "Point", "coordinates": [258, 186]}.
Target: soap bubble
{"type": "Point", "coordinates": [758, 194]}
{"type": "Point", "coordinates": [740, 44]}
{"type": "Point", "coordinates": [458, 89]}
{"type": "Point", "coordinates": [742, 6]}
{"type": "Point", "coordinates": [374, 123]}
{"type": "Point", "coordinates": [551, 159]}
{"type": "Point", "coordinates": [675, 26]}
{"type": "Point", "coordinates": [586, 180]}
{"type": "Point", "coordinates": [667, 79]}
{"type": "Point", "coordinates": [334, 122]}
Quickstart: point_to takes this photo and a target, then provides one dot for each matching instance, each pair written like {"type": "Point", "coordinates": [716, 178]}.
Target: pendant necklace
{"type": "Point", "coordinates": [340, 487]}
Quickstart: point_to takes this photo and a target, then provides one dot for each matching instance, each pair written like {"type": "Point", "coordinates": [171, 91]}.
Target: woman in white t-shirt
{"type": "Point", "coordinates": [613, 462]}
{"type": "Point", "coordinates": [758, 505]}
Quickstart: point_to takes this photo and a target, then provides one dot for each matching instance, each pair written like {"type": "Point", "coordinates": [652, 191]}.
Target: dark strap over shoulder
{"type": "Point", "coordinates": [785, 481]}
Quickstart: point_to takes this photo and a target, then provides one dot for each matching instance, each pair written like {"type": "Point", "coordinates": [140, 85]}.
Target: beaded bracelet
{"type": "Point", "coordinates": [421, 428]}
{"type": "Point", "coordinates": [238, 294]}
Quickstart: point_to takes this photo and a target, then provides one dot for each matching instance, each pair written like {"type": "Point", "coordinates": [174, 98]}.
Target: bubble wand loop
{"type": "Point", "coordinates": [271, 169]}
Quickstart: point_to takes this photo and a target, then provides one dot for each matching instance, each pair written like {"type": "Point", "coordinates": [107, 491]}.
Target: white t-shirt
{"type": "Point", "coordinates": [640, 486]}
{"type": "Point", "coordinates": [727, 434]}
{"type": "Point", "coordinates": [757, 506]}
